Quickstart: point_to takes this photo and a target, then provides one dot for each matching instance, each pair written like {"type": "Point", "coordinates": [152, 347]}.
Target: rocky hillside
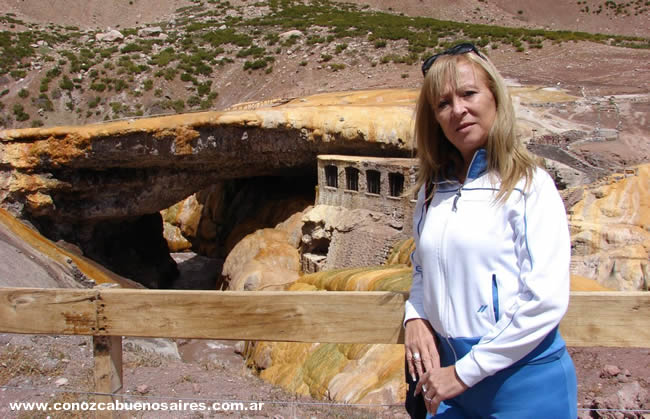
{"type": "Point", "coordinates": [88, 62]}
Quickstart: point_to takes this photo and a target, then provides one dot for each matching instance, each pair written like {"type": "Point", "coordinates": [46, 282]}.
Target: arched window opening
{"type": "Point", "coordinates": [396, 183]}
{"type": "Point", "coordinates": [373, 179]}
{"type": "Point", "coordinates": [332, 176]}
{"type": "Point", "coordinates": [351, 179]}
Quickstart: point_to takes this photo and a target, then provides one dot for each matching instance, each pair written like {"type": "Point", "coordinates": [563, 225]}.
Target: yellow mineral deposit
{"type": "Point", "coordinates": [610, 230]}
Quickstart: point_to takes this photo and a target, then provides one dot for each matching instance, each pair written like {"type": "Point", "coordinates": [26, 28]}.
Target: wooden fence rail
{"type": "Point", "coordinates": [594, 318]}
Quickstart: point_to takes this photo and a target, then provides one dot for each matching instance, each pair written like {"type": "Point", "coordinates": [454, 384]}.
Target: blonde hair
{"type": "Point", "coordinates": [506, 156]}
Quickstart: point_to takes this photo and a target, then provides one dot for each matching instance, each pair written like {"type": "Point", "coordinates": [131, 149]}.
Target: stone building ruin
{"type": "Point", "coordinates": [379, 184]}
{"type": "Point", "coordinates": [363, 206]}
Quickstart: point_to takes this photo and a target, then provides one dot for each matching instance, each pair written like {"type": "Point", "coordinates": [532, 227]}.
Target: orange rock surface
{"type": "Point", "coordinates": [610, 231]}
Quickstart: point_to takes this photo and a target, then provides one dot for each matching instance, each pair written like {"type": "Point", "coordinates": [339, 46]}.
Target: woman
{"type": "Point", "coordinates": [491, 265]}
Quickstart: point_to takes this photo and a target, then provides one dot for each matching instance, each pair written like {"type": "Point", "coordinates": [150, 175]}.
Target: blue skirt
{"type": "Point", "coordinates": [542, 385]}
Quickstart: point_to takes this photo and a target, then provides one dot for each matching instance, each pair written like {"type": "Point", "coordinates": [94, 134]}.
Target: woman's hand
{"type": "Point", "coordinates": [420, 348]}
{"type": "Point", "coordinates": [439, 384]}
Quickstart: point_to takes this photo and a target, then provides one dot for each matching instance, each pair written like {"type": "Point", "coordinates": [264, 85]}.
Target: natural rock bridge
{"type": "Point", "coordinates": [135, 167]}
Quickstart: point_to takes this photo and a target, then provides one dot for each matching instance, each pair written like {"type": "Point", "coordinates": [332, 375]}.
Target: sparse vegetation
{"type": "Point", "coordinates": [213, 37]}
{"type": "Point", "coordinates": [254, 65]}
{"type": "Point", "coordinates": [19, 112]}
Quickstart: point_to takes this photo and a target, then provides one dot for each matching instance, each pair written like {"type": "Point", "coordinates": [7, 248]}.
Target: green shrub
{"type": "Point", "coordinates": [272, 38]}
{"type": "Point", "coordinates": [254, 65]}
{"type": "Point", "coordinates": [148, 84]}
{"type": "Point", "coordinates": [203, 89]}
{"type": "Point", "coordinates": [255, 51]}
{"type": "Point", "coordinates": [170, 74]}
{"type": "Point", "coordinates": [36, 123]}
{"type": "Point", "coordinates": [116, 107]}
{"type": "Point", "coordinates": [22, 93]}
{"type": "Point", "coordinates": [66, 83]}
{"type": "Point", "coordinates": [290, 41]}
{"type": "Point", "coordinates": [193, 101]}
{"type": "Point", "coordinates": [44, 102]}
{"type": "Point", "coordinates": [325, 57]}
{"type": "Point", "coordinates": [178, 105]}
{"type": "Point", "coordinates": [94, 102]}
{"type": "Point", "coordinates": [98, 86]}
{"type": "Point", "coordinates": [341, 47]}
{"type": "Point", "coordinates": [107, 52]}
{"type": "Point", "coordinates": [164, 57]}
{"type": "Point", "coordinates": [4, 92]}
{"type": "Point", "coordinates": [18, 74]}
{"type": "Point", "coordinates": [187, 77]}
{"type": "Point", "coordinates": [120, 85]}
{"type": "Point", "coordinates": [227, 36]}
{"type": "Point", "coordinates": [313, 39]}
{"type": "Point", "coordinates": [19, 112]}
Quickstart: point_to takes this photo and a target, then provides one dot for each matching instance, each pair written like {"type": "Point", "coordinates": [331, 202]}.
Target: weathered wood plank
{"type": "Point", "coordinates": [341, 317]}
{"type": "Point", "coordinates": [615, 319]}
{"type": "Point", "coordinates": [107, 355]}
{"type": "Point", "coordinates": [48, 311]}
{"type": "Point", "coordinates": [593, 319]}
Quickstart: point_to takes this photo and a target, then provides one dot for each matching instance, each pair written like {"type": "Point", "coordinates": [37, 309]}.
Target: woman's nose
{"type": "Point", "coordinates": [458, 107]}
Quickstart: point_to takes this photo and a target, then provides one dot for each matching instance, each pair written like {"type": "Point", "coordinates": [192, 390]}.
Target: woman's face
{"type": "Point", "coordinates": [466, 112]}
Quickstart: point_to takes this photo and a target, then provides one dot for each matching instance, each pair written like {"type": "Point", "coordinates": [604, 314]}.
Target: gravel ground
{"type": "Point", "coordinates": [35, 368]}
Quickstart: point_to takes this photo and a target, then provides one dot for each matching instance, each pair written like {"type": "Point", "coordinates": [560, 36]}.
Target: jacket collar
{"type": "Point", "coordinates": [479, 164]}
{"type": "Point", "coordinates": [477, 167]}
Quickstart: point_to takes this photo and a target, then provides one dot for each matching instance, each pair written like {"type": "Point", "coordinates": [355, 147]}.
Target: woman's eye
{"type": "Point", "coordinates": [442, 104]}
{"type": "Point", "coordinates": [469, 93]}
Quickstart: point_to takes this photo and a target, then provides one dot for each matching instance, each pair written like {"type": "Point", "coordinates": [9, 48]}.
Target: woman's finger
{"type": "Point", "coordinates": [410, 366]}
{"type": "Point", "coordinates": [417, 361]}
{"type": "Point", "coordinates": [418, 387]}
{"type": "Point", "coordinates": [434, 358]}
{"type": "Point", "coordinates": [427, 362]}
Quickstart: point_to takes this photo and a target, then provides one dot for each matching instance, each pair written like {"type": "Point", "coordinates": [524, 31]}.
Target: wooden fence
{"type": "Point", "coordinates": [618, 319]}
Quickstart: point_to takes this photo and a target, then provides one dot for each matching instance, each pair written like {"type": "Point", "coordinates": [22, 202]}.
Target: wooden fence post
{"type": "Point", "coordinates": [107, 352]}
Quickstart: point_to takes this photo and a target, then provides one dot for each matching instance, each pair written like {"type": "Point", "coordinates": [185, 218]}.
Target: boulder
{"type": "Point", "coordinates": [110, 36]}
{"type": "Point", "coordinates": [286, 35]}
{"type": "Point", "coordinates": [263, 260]}
{"type": "Point", "coordinates": [150, 31]}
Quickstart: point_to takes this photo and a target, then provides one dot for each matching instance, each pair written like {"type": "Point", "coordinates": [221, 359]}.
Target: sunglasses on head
{"type": "Point", "coordinates": [459, 49]}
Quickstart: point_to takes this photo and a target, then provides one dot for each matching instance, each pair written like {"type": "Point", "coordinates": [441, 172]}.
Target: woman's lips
{"type": "Point", "coordinates": [461, 127]}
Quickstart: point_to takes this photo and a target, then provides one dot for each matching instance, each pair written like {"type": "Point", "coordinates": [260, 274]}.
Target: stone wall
{"type": "Point", "coordinates": [348, 182]}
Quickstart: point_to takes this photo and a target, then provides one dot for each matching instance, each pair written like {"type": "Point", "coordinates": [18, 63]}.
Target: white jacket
{"type": "Point", "coordinates": [498, 272]}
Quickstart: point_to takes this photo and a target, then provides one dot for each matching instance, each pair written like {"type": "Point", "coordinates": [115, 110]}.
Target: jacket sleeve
{"type": "Point", "coordinates": [414, 306]}
{"type": "Point", "coordinates": [543, 249]}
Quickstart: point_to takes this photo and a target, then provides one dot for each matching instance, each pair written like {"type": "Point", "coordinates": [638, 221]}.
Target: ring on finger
{"type": "Point", "coordinates": [424, 389]}
{"type": "Point", "coordinates": [428, 399]}
{"type": "Point", "coordinates": [416, 356]}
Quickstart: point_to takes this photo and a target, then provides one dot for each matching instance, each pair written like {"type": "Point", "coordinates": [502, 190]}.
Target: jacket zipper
{"type": "Point", "coordinates": [454, 209]}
